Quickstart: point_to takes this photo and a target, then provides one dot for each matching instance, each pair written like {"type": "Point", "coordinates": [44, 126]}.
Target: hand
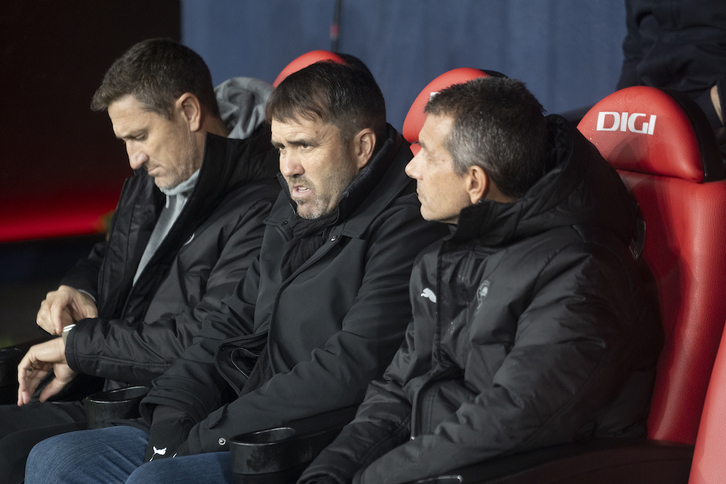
{"type": "Point", "coordinates": [716, 100]}
{"type": "Point", "coordinates": [63, 307]}
{"type": "Point", "coordinates": [36, 364]}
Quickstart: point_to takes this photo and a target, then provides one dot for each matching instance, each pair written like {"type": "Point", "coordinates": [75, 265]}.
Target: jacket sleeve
{"type": "Point", "coordinates": [576, 345]}
{"type": "Point", "coordinates": [193, 384]}
{"type": "Point", "coordinates": [632, 51]}
{"type": "Point", "coordinates": [360, 443]}
{"type": "Point", "coordinates": [136, 351]}
{"type": "Point", "coordinates": [337, 374]}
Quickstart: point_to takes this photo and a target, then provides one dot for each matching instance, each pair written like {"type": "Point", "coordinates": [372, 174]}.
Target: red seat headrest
{"type": "Point", "coordinates": [649, 130]}
{"type": "Point", "coordinates": [305, 60]}
{"type": "Point", "coordinates": [415, 118]}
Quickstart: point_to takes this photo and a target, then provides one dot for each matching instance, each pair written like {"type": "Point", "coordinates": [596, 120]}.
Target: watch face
{"type": "Point", "coordinates": [66, 331]}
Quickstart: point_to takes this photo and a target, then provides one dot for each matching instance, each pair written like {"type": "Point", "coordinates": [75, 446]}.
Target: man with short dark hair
{"type": "Point", "coordinates": [317, 318]}
{"type": "Point", "coordinates": [531, 325]}
{"type": "Point", "coordinates": [187, 226]}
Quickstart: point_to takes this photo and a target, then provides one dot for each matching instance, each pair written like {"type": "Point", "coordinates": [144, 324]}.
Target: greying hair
{"type": "Point", "coordinates": [157, 72]}
{"type": "Point", "coordinates": [499, 126]}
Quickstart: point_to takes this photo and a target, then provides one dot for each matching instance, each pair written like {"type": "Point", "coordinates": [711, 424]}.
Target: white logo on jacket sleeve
{"type": "Point", "coordinates": [429, 294]}
{"type": "Point", "coordinates": [157, 452]}
{"type": "Point", "coordinates": [481, 293]}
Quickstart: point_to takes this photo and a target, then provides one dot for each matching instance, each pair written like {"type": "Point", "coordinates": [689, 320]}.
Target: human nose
{"type": "Point", "coordinates": [412, 167]}
{"type": "Point", "coordinates": [290, 164]}
{"type": "Point", "coordinates": [137, 156]}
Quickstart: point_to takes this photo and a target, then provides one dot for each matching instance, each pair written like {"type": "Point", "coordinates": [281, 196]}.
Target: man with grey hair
{"type": "Point", "coordinates": [187, 226]}
{"type": "Point", "coordinates": [532, 324]}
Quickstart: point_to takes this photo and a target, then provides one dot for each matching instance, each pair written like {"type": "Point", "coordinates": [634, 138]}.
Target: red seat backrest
{"type": "Point", "coordinates": [305, 60]}
{"type": "Point", "coordinates": [709, 464]}
{"type": "Point", "coordinates": [664, 150]}
{"type": "Point", "coordinates": [415, 118]}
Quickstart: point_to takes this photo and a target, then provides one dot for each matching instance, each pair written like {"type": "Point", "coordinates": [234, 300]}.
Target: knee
{"type": "Point", "coordinates": [50, 460]}
{"type": "Point", "coordinates": [101, 455]}
{"type": "Point", "coordinates": [158, 471]}
{"type": "Point", "coordinates": [212, 467]}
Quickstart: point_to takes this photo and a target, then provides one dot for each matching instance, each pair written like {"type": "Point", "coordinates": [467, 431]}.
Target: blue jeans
{"type": "Point", "coordinates": [116, 455]}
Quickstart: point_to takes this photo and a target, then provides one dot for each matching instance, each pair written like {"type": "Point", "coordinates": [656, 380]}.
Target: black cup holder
{"type": "Point", "coordinates": [104, 407]}
{"type": "Point", "coordinates": [270, 436]}
{"type": "Point", "coordinates": [280, 454]}
{"type": "Point", "coordinates": [441, 480]}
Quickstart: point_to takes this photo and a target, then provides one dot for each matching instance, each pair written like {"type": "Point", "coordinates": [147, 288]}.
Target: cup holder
{"type": "Point", "coordinates": [280, 454]}
{"type": "Point", "coordinates": [104, 407]}
{"type": "Point", "coordinates": [268, 436]}
{"type": "Point", "coordinates": [441, 480]}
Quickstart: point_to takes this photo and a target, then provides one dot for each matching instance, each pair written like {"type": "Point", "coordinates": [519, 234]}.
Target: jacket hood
{"type": "Point", "coordinates": [229, 163]}
{"type": "Point", "coordinates": [242, 102]}
{"type": "Point", "coordinates": [580, 188]}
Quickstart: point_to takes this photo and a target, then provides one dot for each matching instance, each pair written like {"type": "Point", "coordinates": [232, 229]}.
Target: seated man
{"type": "Point", "coordinates": [531, 323]}
{"type": "Point", "coordinates": [187, 226]}
{"type": "Point", "coordinates": [325, 307]}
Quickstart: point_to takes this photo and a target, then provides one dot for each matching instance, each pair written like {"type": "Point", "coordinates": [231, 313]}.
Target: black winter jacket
{"type": "Point", "coordinates": [330, 328]}
{"type": "Point", "coordinates": [142, 328]}
{"type": "Point", "coordinates": [531, 327]}
{"type": "Point", "coordinates": [677, 44]}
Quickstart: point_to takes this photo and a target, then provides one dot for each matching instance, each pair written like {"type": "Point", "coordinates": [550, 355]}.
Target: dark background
{"type": "Point", "coordinates": [52, 58]}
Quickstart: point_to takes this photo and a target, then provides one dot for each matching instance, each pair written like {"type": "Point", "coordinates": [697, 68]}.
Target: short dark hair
{"type": "Point", "coordinates": [157, 72]}
{"type": "Point", "coordinates": [499, 126]}
{"type": "Point", "coordinates": [343, 95]}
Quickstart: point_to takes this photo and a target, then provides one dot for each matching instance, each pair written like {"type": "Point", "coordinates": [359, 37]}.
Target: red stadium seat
{"type": "Point", "coordinates": [305, 60]}
{"type": "Point", "coordinates": [415, 118]}
{"type": "Point", "coordinates": [662, 147]}
{"type": "Point", "coordinates": [709, 465]}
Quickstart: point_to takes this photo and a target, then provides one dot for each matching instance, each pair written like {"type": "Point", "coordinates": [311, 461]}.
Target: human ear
{"type": "Point", "coordinates": [363, 145]}
{"type": "Point", "coordinates": [191, 110]}
{"type": "Point", "coordinates": [477, 183]}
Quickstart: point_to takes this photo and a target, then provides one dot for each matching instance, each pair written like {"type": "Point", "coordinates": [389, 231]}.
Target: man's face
{"type": "Point", "coordinates": [165, 148]}
{"type": "Point", "coordinates": [441, 191]}
{"type": "Point", "coordinates": [316, 164]}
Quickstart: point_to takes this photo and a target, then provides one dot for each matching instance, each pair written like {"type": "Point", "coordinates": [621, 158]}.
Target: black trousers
{"type": "Point", "coordinates": [23, 427]}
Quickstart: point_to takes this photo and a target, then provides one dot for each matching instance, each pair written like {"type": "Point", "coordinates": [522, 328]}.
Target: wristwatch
{"type": "Point", "coordinates": [67, 330]}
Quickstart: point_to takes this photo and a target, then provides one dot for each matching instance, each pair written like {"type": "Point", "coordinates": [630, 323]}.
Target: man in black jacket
{"type": "Point", "coordinates": [326, 303]}
{"type": "Point", "coordinates": [187, 227]}
{"type": "Point", "coordinates": [531, 325]}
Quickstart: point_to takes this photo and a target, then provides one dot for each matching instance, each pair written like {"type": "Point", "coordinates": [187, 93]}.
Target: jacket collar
{"type": "Point", "coordinates": [227, 164]}
{"type": "Point", "coordinates": [578, 188]}
{"type": "Point", "coordinates": [231, 162]}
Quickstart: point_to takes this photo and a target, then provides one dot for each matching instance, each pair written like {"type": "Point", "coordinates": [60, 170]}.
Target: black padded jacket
{"type": "Point", "coordinates": [143, 327]}
{"type": "Point", "coordinates": [330, 327]}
